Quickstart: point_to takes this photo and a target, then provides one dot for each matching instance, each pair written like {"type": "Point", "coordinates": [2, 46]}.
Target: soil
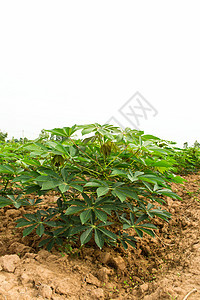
{"type": "Point", "coordinates": [164, 267]}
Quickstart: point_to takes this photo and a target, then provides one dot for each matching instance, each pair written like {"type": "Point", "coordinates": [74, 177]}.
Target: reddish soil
{"type": "Point", "coordinates": [166, 267]}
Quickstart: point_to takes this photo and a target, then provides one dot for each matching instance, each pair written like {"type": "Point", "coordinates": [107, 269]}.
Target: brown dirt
{"type": "Point", "coordinates": [166, 267]}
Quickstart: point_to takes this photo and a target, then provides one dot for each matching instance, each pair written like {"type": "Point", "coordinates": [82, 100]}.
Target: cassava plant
{"type": "Point", "coordinates": [108, 181]}
{"type": "Point", "coordinates": [187, 160]}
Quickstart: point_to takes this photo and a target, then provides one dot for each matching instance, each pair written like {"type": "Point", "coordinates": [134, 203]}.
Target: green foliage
{"type": "Point", "coordinates": [187, 160]}
{"type": "Point", "coordinates": [3, 136]}
{"type": "Point", "coordinates": [110, 184]}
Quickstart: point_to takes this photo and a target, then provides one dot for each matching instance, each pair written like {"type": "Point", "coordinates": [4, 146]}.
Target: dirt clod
{"type": "Point", "coordinates": [98, 294]}
{"type": "Point", "coordinates": [91, 279]}
{"type": "Point", "coordinates": [45, 291]}
{"type": "Point", "coordinates": [9, 262]}
{"type": "Point", "coordinates": [119, 263]}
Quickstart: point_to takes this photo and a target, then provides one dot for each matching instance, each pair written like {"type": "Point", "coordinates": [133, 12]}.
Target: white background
{"type": "Point", "coordinates": [67, 62]}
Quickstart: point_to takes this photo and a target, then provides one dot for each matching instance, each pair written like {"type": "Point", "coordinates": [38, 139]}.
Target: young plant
{"type": "Point", "coordinates": [108, 184]}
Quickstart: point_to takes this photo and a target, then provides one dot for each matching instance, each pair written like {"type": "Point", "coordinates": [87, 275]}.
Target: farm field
{"type": "Point", "coordinates": [118, 212]}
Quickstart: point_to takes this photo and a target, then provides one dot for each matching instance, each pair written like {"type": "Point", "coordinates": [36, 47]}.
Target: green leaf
{"type": "Point", "coordinates": [50, 184]}
{"type": "Point", "coordinates": [85, 216]}
{"type": "Point", "coordinates": [139, 232]}
{"type": "Point", "coordinates": [148, 225]}
{"type": "Point", "coordinates": [76, 186]}
{"type": "Point", "coordinates": [134, 177]}
{"type": "Point", "coordinates": [178, 179]}
{"type": "Point", "coordinates": [88, 129]}
{"type": "Point", "coordinates": [87, 199]}
{"type": "Point", "coordinates": [40, 229]}
{"type": "Point", "coordinates": [102, 190]}
{"type": "Point", "coordinates": [162, 163]}
{"type": "Point", "coordinates": [119, 194]}
{"type": "Point", "coordinates": [149, 137]}
{"type": "Point", "coordinates": [92, 184]}
{"type": "Point", "coordinates": [28, 230]}
{"type": "Point", "coordinates": [50, 223]}
{"type": "Point", "coordinates": [126, 226]}
{"type": "Point", "coordinates": [86, 236]}
{"type": "Point", "coordinates": [123, 192]}
{"type": "Point", "coordinates": [22, 222]}
{"type": "Point", "coordinates": [148, 231]}
{"type": "Point", "coordinates": [124, 244]}
{"type": "Point", "coordinates": [169, 193]}
{"type": "Point", "coordinates": [31, 162]}
{"type": "Point", "coordinates": [62, 149]}
{"type": "Point", "coordinates": [99, 240]}
{"type": "Point", "coordinates": [151, 178]}
{"type": "Point", "coordinates": [118, 172]}
{"type": "Point", "coordinates": [43, 178]}
{"type": "Point", "coordinates": [73, 210]}
{"type": "Point", "coordinates": [131, 243]}
{"type": "Point", "coordinates": [101, 215]}
{"type": "Point", "coordinates": [141, 218]}
{"type": "Point", "coordinates": [51, 173]}
{"type": "Point", "coordinates": [63, 187]}
{"type": "Point", "coordinates": [108, 233]}
{"type": "Point", "coordinates": [4, 202]}
{"type": "Point", "coordinates": [6, 169]}
{"type": "Point", "coordinates": [65, 131]}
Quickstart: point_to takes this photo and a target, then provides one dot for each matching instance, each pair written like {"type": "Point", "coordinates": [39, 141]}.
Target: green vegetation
{"type": "Point", "coordinates": [187, 159]}
{"type": "Point", "coordinates": [109, 183]}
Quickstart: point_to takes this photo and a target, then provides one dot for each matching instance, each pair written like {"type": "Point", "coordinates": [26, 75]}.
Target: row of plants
{"type": "Point", "coordinates": [109, 183]}
{"type": "Point", "coordinates": [187, 160]}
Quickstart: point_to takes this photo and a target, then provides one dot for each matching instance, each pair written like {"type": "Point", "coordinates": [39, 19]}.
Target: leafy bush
{"type": "Point", "coordinates": [108, 184]}
{"type": "Point", "coordinates": [3, 136]}
{"type": "Point", "coordinates": [187, 160]}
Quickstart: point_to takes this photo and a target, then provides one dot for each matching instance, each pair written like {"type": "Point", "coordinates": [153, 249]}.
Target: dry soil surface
{"type": "Point", "coordinates": [164, 267]}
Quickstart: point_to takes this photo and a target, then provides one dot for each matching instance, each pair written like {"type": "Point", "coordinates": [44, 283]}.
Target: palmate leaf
{"type": "Point", "coordinates": [16, 202]}
{"type": "Point", "coordinates": [65, 131]}
{"type": "Point", "coordinates": [22, 222]}
{"type": "Point", "coordinates": [88, 129]}
{"type": "Point", "coordinates": [63, 187]}
{"type": "Point", "coordinates": [151, 178]}
{"type": "Point", "coordinates": [62, 149]}
{"type": "Point", "coordinates": [87, 199]}
{"type": "Point", "coordinates": [108, 233]}
{"type": "Point", "coordinates": [76, 186]}
{"type": "Point", "coordinates": [123, 192]}
{"type": "Point", "coordinates": [147, 228]}
{"type": "Point", "coordinates": [134, 177]}
{"type": "Point", "coordinates": [6, 169]}
{"type": "Point", "coordinates": [120, 195]}
{"type": "Point", "coordinates": [118, 172]}
{"type": "Point", "coordinates": [73, 210]}
{"type": "Point", "coordinates": [148, 225]}
{"type": "Point", "coordinates": [86, 236]}
{"type": "Point", "coordinates": [101, 191]}
{"type": "Point", "coordinates": [169, 193]}
{"type": "Point", "coordinates": [85, 216]}
{"type": "Point", "coordinates": [92, 184]}
{"type": "Point", "coordinates": [40, 229]}
{"type": "Point", "coordinates": [29, 229]}
{"type": "Point", "coordinates": [50, 184]}
{"type": "Point", "coordinates": [4, 202]}
{"type": "Point", "coordinates": [51, 173]}
{"type": "Point", "coordinates": [148, 231]}
{"type": "Point", "coordinates": [101, 215]}
{"type": "Point", "coordinates": [99, 240]}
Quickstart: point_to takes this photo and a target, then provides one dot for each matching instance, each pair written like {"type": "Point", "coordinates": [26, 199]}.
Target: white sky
{"type": "Point", "coordinates": [67, 62]}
